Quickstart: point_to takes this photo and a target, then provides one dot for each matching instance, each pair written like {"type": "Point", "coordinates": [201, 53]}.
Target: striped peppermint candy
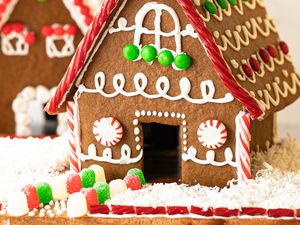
{"type": "Point", "coordinates": [212, 134]}
{"type": "Point", "coordinates": [108, 131]}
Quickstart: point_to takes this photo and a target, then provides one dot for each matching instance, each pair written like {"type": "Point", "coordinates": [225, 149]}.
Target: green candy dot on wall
{"type": "Point", "coordinates": [222, 4]}
{"type": "Point", "coordinates": [165, 58]}
{"type": "Point", "coordinates": [182, 61]}
{"type": "Point", "coordinates": [131, 52]}
{"type": "Point", "coordinates": [232, 2]}
{"type": "Point", "coordinates": [148, 53]}
{"type": "Point", "coordinates": [41, 1]}
{"type": "Point", "coordinates": [210, 7]}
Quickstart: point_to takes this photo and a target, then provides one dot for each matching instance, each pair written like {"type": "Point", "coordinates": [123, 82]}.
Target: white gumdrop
{"type": "Point", "coordinates": [76, 205]}
{"type": "Point", "coordinates": [42, 94]}
{"type": "Point", "coordinates": [99, 171]}
{"type": "Point", "coordinates": [17, 204]}
{"type": "Point", "coordinates": [59, 188]}
{"type": "Point", "coordinates": [117, 187]}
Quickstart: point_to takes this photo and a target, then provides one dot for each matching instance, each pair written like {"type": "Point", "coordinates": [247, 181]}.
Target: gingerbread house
{"type": "Point", "coordinates": [38, 39]}
{"type": "Point", "coordinates": [160, 85]}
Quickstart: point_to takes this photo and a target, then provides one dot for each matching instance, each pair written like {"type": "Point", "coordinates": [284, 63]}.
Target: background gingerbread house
{"type": "Point", "coordinates": [239, 64]}
{"type": "Point", "coordinates": [38, 39]}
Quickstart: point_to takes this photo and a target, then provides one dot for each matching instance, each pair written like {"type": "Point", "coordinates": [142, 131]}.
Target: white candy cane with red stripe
{"type": "Point", "coordinates": [242, 150]}
{"type": "Point", "coordinates": [73, 157]}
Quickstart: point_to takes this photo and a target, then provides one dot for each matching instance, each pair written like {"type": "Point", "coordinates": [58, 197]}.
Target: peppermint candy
{"type": "Point", "coordinates": [212, 134]}
{"type": "Point", "coordinates": [108, 131]}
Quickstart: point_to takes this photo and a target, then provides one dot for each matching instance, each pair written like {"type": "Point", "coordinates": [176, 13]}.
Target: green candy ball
{"type": "Point", "coordinates": [232, 2]}
{"type": "Point", "coordinates": [182, 61]}
{"type": "Point", "coordinates": [222, 4]}
{"type": "Point", "coordinates": [138, 173]}
{"type": "Point", "coordinates": [41, 1]}
{"type": "Point", "coordinates": [103, 191]}
{"type": "Point", "coordinates": [88, 178]}
{"type": "Point", "coordinates": [44, 192]}
{"type": "Point", "coordinates": [165, 58]}
{"type": "Point", "coordinates": [210, 7]}
{"type": "Point", "coordinates": [148, 53]}
{"type": "Point", "coordinates": [131, 52]}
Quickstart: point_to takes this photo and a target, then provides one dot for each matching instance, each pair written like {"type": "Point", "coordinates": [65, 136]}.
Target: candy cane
{"type": "Point", "coordinates": [242, 150]}
{"type": "Point", "coordinates": [73, 157]}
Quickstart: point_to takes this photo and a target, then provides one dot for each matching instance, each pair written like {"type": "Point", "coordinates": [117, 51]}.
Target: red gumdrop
{"type": "Point", "coordinates": [284, 47]}
{"type": "Point", "coordinates": [88, 20]}
{"type": "Point", "coordinates": [272, 51]}
{"type": "Point", "coordinates": [59, 31]}
{"type": "Point", "coordinates": [264, 55]}
{"type": "Point", "coordinates": [30, 38]}
{"type": "Point", "coordinates": [78, 2]}
{"type": "Point", "coordinates": [254, 64]}
{"type": "Point", "coordinates": [47, 31]}
{"type": "Point", "coordinates": [91, 196]}
{"type": "Point", "coordinates": [2, 8]}
{"type": "Point", "coordinates": [73, 183]}
{"type": "Point", "coordinates": [85, 10]}
{"type": "Point", "coordinates": [18, 27]}
{"type": "Point", "coordinates": [72, 30]}
{"type": "Point", "coordinates": [6, 1]}
{"type": "Point", "coordinates": [32, 196]}
{"type": "Point", "coordinates": [247, 70]}
{"type": "Point", "coordinates": [133, 182]}
{"type": "Point", "coordinates": [6, 29]}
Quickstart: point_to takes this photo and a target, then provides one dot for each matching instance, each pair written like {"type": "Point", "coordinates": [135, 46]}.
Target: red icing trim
{"type": "Point", "coordinates": [175, 210]}
{"type": "Point", "coordinates": [144, 210]}
{"type": "Point", "coordinates": [201, 212]}
{"type": "Point", "coordinates": [276, 213]}
{"type": "Point", "coordinates": [253, 211]}
{"type": "Point", "coordinates": [122, 209]}
{"type": "Point", "coordinates": [225, 212]}
{"type": "Point", "coordinates": [297, 212]}
{"type": "Point", "coordinates": [99, 209]}
{"type": "Point", "coordinates": [59, 30]}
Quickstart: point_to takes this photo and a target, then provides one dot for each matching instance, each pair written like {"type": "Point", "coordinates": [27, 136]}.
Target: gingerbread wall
{"type": "Point", "coordinates": [17, 72]}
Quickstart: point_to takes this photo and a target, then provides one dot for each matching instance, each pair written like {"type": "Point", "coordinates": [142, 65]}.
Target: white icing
{"type": "Point", "coordinates": [162, 87]}
{"type": "Point", "coordinates": [107, 155]}
{"type": "Point", "coordinates": [157, 32]}
{"type": "Point", "coordinates": [8, 10]}
{"type": "Point", "coordinates": [20, 48]}
{"type": "Point", "coordinates": [21, 106]}
{"type": "Point", "coordinates": [67, 50]}
{"type": "Point", "coordinates": [210, 157]}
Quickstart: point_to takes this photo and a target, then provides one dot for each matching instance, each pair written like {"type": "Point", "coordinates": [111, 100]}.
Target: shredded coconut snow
{"type": "Point", "coordinates": [31, 159]}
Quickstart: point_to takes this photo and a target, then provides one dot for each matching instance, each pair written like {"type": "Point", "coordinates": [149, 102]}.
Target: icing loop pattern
{"type": "Point", "coordinates": [162, 86]}
{"type": "Point", "coordinates": [107, 155]}
{"type": "Point", "coordinates": [273, 92]}
{"type": "Point", "coordinates": [244, 33]}
{"type": "Point", "coordinates": [210, 157]}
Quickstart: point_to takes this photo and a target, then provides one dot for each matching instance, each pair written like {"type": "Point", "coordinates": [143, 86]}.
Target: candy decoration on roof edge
{"type": "Point", "coordinates": [108, 131]}
{"type": "Point", "coordinates": [73, 157]}
{"type": "Point", "coordinates": [242, 149]}
{"type": "Point", "coordinates": [212, 134]}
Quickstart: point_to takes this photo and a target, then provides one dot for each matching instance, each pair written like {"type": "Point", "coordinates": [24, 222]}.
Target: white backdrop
{"type": "Point", "coordinates": [287, 18]}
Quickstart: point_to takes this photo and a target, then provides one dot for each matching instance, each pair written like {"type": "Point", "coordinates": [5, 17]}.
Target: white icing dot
{"type": "Point", "coordinates": [137, 139]}
{"type": "Point", "coordinates": [183, 116]}
{"type": "Point", "coordinates": [135, 122]}
{"type": "Point", "coordinates": [136, 131]}
{"type": "Point", "coordinates": [31, 214]}
{"type": "Point", "coordinates": [143, 112]}
{"type": "Point", "coordinates": [178, 115]}
{"type": "Point", "coordinates": [184, 142]}
{"type": "Point", "coordinates": [154, 113]}
{"type": "Point", "coordinates": [184, 136]}
{"type": "Point", "coordinates": [166, 114]}
{"type": "Point", "coordinates": [216, 34]}
{"type": "Point", "coordinates": [184, 129]}
{"type": "Point", "coordinates": [138, 147]}
{"type": "Point", "coordinates": [47, 207]}
{"type": "Point", "coordinates": [173, 114]}
{"type": "Point", "coordinates": [185, 148]}
{"type": "Point", "coordinates": [149, 113]}
{"type": "Point", "coordinates": [160, 114]}
{"type": "Point", "coordinates": [184, 123]}
{"type": "Point", "coordinates": [51, 215]}
{"type": "Point", "coordinates": [137, 113]}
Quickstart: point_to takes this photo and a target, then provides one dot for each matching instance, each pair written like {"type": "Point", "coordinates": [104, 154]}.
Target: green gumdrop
{"type": "Point", "coordinates": [103, 191]}
{"type": "Point", "coordinates": [138, 173]}
{"type": "Point", "coordinates": [131, 52]}
{"type": "Point", "coordinates": [182, 61]}
{"type": "Point", "coordinates": [210, 7]}
{"type": "Point", "coordinates": [232, 2]}
{"type": "Point", "coordinates": [88, 178]}
{"type": "Point", "coordinates": [222, 4]}
{"type": "Point", "coordinates": [44, 192]}
{"type": "Point", "coordinates": [148, 53]}
{"type": "Point", "coordinates": [165, 58]}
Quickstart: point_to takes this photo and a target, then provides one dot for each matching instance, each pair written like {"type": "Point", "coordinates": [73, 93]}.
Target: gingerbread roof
{"type": "Point", "coordinates": [81, 11]}
{"type": "Point", "coordinates": [256, 101]}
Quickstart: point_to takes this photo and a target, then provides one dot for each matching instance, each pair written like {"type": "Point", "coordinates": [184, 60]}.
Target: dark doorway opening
{"type": "Point", "coordinates": [162, 154]}
{"type": "Point", "coordinates": [51, 124]}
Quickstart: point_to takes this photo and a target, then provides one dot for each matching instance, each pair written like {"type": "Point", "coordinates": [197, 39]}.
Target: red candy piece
{"type": "Point", "coordinates": [59, 31]}
{"type": "Point", "coordinates": [85, 10]}
{"type": "Point", "coordinates": [298, 213]}
{"type": "Point", "coordinates": [284, 47]}
{"type": "Point", "coordinates": [173, 210]}
{"type": "Point", "coordinates": [272, 51]}
{"type": "Point", "coordinates": [253, 211]}
{"type": "Point", "coordinates": [91, 196]}
{"type": "Point", "coordinates": [73, 183]}
{"type": "Point", "coordinates": [254, 64]}
{"type": "Point", "coordinates": [6, 1]}
{"type": "Point", "coordinates": [133, 182]}
{"type": "Point", "coordinates": [145, 210]}
{"type": "Point", "coordinates": [88, 20]}
{"type": "Point", "coordinates": [225, 212]}
{"type": "Point", "coordinates": [2, 8]}
{"type": "Point", "coordinates": [276, 213]}
{"type": "Point", "coordinates": [122, 209]}
{"type": "Point", "coordinates": [72, 30]}
{"type": "Point", "coordinates": [47, 31]}
{"type": "Point", "coordinates": [99, 209]}
{"type": "Point", "coordinates": [32, 196]}
{"type": "Point", "coordinates": [247, 70]}
{"type": "Point", "coordinates": [18, 27]}
{"type": "Point", "coordinates": [200, 211]}
{"type": "Point", "coordinates": [78, 2]}
{"type": "Point", "coordinates": [30, 38]}
{"type": "Point", "coordinates": [264, 55]}
{"type": "Point", "coordinates": [6, 29]}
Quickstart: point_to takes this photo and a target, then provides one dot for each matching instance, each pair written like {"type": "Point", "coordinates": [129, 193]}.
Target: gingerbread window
{"type": "Point", "coordinates": [59, 40]}
{"type": "Point", "coordinates": [16, 39]}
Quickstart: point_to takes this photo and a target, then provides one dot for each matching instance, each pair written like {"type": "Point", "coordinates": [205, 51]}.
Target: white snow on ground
{"type": "Point", "coordinates": [29, 160]}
